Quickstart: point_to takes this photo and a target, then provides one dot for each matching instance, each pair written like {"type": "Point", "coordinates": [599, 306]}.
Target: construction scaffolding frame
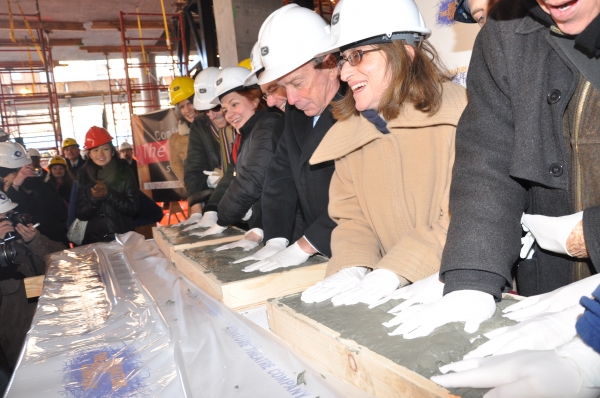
{"type": "Point", "coordinates": [29, 109]}
{"type": "Point", "coordinates": [143, 96]}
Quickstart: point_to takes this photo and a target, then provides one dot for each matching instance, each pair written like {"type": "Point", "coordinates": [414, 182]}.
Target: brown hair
{"type": "Point", "coordinates": [416, 80]}
{"type": "Point", "coordinates": [252, 93]}
{"type": "Point", "coordinates": [178, 114]}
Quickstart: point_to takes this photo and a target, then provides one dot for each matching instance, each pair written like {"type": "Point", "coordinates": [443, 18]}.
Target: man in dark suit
{"type": "Point", "coordinates": [126, 153]}
{"type": "Point", "coordinates": [291, 182]}
{"type": "Point", "coordinates": [72, 155]}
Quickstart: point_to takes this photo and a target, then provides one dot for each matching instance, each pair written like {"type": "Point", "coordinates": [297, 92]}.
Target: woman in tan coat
{"type": "Point", "coordinates": [393, 147]}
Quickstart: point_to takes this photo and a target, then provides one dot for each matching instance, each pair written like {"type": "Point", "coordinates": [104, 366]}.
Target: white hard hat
{"type": "Point", "coordinates": [354, 23]}
{"type": "Point", "coordinates": [229, 80]}
{"type": "Point", "coordinates": [256, 62]}
{"type": "Point", "coordinates": [289, 38]}
{"type": "Point", "coordinates": [204, 88]}
{"type": "Point", "coordinates": [3, 132]}
{"type": "Point", "coordinates": [33, 152]}
{"type": "Point", "coordinates": [5, 204]}
{"type": "Point", "coordinates": [125, 145]}
{"type": "Point", "coordinates": [13, 155]}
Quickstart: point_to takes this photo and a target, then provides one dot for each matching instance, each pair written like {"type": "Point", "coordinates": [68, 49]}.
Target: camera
{"type": "Point", "coordinates": [37, 171]}
{"type": "Point", "coordinates": [8, 253]}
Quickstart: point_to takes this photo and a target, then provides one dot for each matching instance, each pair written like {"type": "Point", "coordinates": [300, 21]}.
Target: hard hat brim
{"type": "Point", "coordinates": [9, 206]}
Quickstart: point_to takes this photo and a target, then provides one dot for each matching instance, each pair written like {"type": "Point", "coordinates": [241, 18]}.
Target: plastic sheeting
{"type": "Point", "coordinates": [118, 320]}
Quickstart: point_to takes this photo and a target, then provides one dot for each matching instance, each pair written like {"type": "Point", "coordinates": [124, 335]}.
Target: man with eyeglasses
{"type": "Point", "coordinates": [289, 40]}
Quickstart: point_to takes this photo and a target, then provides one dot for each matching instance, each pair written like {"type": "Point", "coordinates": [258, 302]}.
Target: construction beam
{"type": "Point", "coordinates": [46, 25]}
{"type": "Point", "coordinates": [53, 43]}
{"type": "Point", "coordinates": [118, 49]}
{"type": "Point", "coordinates": [112, 25]}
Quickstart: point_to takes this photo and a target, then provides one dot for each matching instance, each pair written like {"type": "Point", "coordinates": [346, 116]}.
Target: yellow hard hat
{"type": "Point", "coordinates": [69, 142]}
{"type": "Point", "coordinates": [181, 88]}
{"type": "Point", "coordinates": [246, 63]}
{"type": "Point", "coordinates": [58, 160]}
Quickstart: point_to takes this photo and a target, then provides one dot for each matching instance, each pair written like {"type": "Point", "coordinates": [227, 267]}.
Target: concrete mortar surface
{"type": "Point", "coordinates": [176, 236]}
{"type": "Point", "coordinates": [424, 355]}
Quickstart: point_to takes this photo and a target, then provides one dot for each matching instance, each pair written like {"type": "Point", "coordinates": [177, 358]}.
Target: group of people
{"type": "Point", "coordinates": [368, 153]}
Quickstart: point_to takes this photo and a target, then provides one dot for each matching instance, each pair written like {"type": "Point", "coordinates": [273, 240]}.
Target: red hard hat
{"type": "Point", "coordinates": [96, 136]}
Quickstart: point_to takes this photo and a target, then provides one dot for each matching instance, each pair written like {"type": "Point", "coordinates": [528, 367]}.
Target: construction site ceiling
{"type": "Point", "coordinates": [82, 29]}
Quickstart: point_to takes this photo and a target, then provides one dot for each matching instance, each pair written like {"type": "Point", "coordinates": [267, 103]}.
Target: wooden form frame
{"type": "Point", "coordinates": [348, 360]}
{"type": "Point", "coordinates": [168, 247]}
{"type": "Point", "coordinates": [251, 292]}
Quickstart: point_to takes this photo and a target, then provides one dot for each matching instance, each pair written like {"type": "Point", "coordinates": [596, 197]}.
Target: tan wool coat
{"type": "Point", "coordinates": [178, 146]}
{"type": "Point", "coordinates": [389, 193]}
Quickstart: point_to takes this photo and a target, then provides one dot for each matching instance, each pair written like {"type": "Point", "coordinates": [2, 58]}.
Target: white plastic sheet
{"type": "Point", "coordinates": [118, 320]}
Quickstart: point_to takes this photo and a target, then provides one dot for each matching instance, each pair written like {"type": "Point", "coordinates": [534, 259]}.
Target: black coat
{"type": "Point", "coordinates": [509, 144]}
{"type": "Point", "coordinates": [203, 155]}
{"type": "Point", "coordinates": [75, 169]}
{"type": "Point", "coordinates": [112, 214]}
{"type": "Point", "coordinates": [292, 181]}
{"type": "Point", "coordinates": [244, 191]}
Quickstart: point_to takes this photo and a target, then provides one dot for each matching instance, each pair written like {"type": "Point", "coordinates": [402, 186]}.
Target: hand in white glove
{"type": "Point", "coordinates": [469, 306]}
{"type": "Point", "coordinates": [554, 301]}
{"type": "Point", "coordinates": [543, 332]}
{"type": "Point", "coordinates": [256, 236]}
{"type": "Point", "coordinates": [548, 373]}
{"type": "Point", "coordinates": [208, 220]}
{"type": "Point", "coordinates": [248, 215]}
{"type": "Point", "coordinates": [193, 219]}
{"type": "Point", "coordinates": [290, 256]}
{"type": "Point", "coordinates": [421, 292]}
{"type": "Point", "coordinates": [551, 233]}
{"type": "Point", "coordinates": [332, 285]}
{"type": "Point", "coordinates": [214, 230]}
{"type": "Point", "coordinates": [213, 178]}
{"type": "Point", "coordinates": [372, 287]}
{"type": "Point", "coordinates": [271, 247]}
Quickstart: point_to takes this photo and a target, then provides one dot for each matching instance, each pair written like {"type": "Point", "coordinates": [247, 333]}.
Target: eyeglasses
{"type": "Point", "coordinates": [354, 57]}
{"type": "Point", "coordinates": [270, 92]}
{"type": "Point", "coordinates": [215, 109]}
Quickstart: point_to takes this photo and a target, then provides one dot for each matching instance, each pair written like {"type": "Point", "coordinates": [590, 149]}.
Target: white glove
{"type": "Point", "coordinates": [194, 218]}
{"type": "Point", "coordinates": [271, 247]}
{"type": "Point", "coordinates": [288, 257]}
{"type": "Point", "coordinates": [332, 285]}
{"type": "Point", "coordinates": [554, 301]}
{"type": "Point", "coordinates": [421, 292]}
{"type": "Point", "coordinates": [526, 374]}
{"type": "Point", "coordinates": [551, 233]}
{"type": "Point", "coordinates": [208, 220]}
{"type": "Point", "coordinates": [213, 178]}
{"type": "Point", "coordinates": [543, 332]}
{"type": "Point", "coordinates": [248, 215]}
{"type": "Point", "coordinates": [214, 230]}
{"type": "Point", "coordinates": [469, 306]}
{"type": "Point", "coordinates": [372, 287]}
{"type": "Point", "coordinates": [245, 244]}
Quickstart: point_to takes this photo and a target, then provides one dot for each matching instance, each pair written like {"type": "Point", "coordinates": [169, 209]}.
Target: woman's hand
{"type": "Point", "coordinates": [27, 232]}
{"type": "Point", "coordinates": [99, 190]}
{"type": "Point", "coordinates": [5, 227]}
{"type": "Point", "coordinates": [24, 173]}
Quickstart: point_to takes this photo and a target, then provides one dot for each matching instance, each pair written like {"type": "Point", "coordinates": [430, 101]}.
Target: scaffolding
{"type": "Point", "coordinates": [28, 96]}
{"type": "Point", "coordinates": [142, 94]}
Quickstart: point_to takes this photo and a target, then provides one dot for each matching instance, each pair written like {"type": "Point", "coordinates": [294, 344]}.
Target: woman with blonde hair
{"type": "Point", "coordinates": [393, 147]}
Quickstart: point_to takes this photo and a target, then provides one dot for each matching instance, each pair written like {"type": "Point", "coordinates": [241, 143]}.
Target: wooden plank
{"type": "Point", "coordinates": [46, 25]}
{"type": "Point", "coordinates": [34, 285]}
{"type": "Point", "coordinates": [53, 43]}
{"type": "Point", "coordinates": [346, 359]}
{"type": "Point", "coordinates": [112, 25]}
{"type": "Point", "coordinates": [240, 290]}
{"type": "Point", "coordinates": [169, 242]}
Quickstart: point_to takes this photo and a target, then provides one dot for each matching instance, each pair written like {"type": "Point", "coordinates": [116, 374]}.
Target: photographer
{"type": "Point", "coordinates": [23, 186]}
{"type": "Point", "coordinates": [21, 255]}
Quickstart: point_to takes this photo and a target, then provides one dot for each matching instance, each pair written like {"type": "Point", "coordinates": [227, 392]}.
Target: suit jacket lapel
{"type": "Point", "coordinates": [316, 134]}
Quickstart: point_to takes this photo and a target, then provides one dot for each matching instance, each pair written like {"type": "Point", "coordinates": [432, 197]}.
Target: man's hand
{"type": "Point", "coordinates": [576, 242]}
{"type": "Point", "coordinates": [27, 232]}
{"type": "Point", "coordinates": [5, 227]}
{"type": "Point", "coordinates": [24, 173]}
{"type": "Point", "coordinates": [99, 190]}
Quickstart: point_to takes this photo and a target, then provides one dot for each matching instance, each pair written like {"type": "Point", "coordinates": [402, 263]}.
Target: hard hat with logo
{"type": "Point", "coordinates": [289, 38]}
{"type": "Point", "coordinates": [230, 80]}
{"type": "Point", "coordinates": [204, 87]}
{"type": "Point", "coordinates": [13, 155]}
{"type": "Point", "coordinates": [5, 203]}
{"type": "Point", "coordinates": [181, 88]}
{"type": "Point", "coordinates": [33, 152]}
{"type": "Point", "coordinates": [58, 160]}
{"type": "Point", "coordinates": [256, 61]}
{"type": "Point", "coordinates": [245, 63]}
{"type": "Point", "coordinates": [463, 13]}
{"type": "Point", "coordinates": [69, 142]}
{"type": "Point", "coordinates": [383, 21]}
{"type": "Point", "coordinates": [95, 137]}
{"type": "Point", "coordinates": [125, 145]}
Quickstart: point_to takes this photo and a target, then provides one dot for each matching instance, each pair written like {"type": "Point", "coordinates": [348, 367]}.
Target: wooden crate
{"type": "Point", "coordinates": [370, 363]}
{"type": "Point", "coordinates": [173, 238]}
{"type": "Point", "coordinates": [214, 273]}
